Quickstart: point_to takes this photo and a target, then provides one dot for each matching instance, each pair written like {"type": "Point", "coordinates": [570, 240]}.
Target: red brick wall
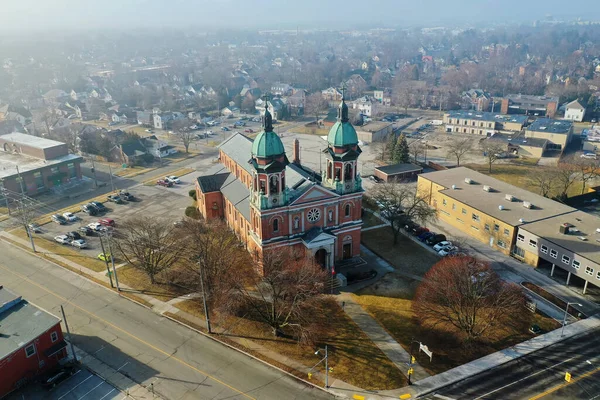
{"type": "Point", "coordinates": [504, 106]}
{"type": "Point", "coordinates": [551, 109]}
{"type": "Point", "coordinates": [17, 366]}
{"type": "Point", "coordinates": [355, 235]}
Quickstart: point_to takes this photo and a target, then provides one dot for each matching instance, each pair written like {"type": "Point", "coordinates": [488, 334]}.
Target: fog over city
{"type": "Point", "coordinates": [66, 15]}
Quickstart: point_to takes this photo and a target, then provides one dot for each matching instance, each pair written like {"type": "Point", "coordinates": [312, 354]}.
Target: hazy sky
{"type": "Point", "coordinates": [27, 15]}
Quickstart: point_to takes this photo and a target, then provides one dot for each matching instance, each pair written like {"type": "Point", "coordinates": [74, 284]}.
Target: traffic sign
{"type": "Point", "coordinates": [410, 371]}
{"type": "Point", "coordinates": [567, 377]}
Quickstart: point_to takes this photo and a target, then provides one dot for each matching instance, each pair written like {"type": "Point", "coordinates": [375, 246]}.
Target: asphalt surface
{"type": "Point", "coordinates": [541, 375]}
{"type": "Point", "coordinates": [144, 346]}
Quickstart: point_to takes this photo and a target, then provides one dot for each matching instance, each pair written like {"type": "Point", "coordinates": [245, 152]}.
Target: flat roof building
{"type": "Point", "coordinates": [482, 123]}
{"type": "Point", "coordinates": [558, 133]}
{"type": "Point", "coordinates": [398, 172]}
{"type": "Point", "coordinates": [543, 106]}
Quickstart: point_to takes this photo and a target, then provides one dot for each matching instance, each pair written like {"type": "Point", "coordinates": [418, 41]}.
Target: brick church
{"type": "Point", "coordinates": [271, 202]}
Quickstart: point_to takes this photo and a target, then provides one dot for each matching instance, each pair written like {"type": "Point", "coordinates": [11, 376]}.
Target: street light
{"type": "Point", "coordinates": [565, 317]}
{"type": "Point", "coordinates": [326, 359]}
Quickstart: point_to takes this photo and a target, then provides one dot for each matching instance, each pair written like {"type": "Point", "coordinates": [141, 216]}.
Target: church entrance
{"type": "Point", "coordinates": [321, 257]}
{"type": "Point", "coordinates": [347, 251]}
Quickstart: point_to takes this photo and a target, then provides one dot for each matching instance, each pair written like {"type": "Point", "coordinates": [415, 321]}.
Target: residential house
{"type": "Point", "coordinates": [145, 118]}
{"type": "Point", "coordinates": [129, 153]}
{"type": "Point", "coordinates": [281, 89]}
{"type": "Point", "coordinates": [277, 108]}
{"type": "Point", "coordinates": [32, 341]}
{"type": "Point", "coordinates": [296, 101]}
{"type": "Point", "coordinates": [165, 120]}
{"type": "Point", "coordinates": [355, 85]}
{"type": "Point", "coordinates": [332, 95]}
{"type": "Point", "coordinates": [574, 111]}
{"type": "Point", "coordinates": [476, 99]}
{"type": "Point", "coordinates": [365, 105]}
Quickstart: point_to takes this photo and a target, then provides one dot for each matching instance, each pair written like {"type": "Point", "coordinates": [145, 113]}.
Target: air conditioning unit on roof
{"type": "Point", "coordinates": [468, 180]}
{"type": "Point", "coordinates": [509, 197]}
{"type": "Point", "coordinates": [527, 204]}
{"type": "Point", "coordinates": [487, 188]}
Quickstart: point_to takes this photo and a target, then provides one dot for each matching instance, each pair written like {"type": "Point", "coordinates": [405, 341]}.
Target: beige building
{"type": "Point", "coordinates": [374, 131]}
{"type": "Point", "coordinates": [483, 207]}
{"type": "Point", "coordinates": [482, 123]}
{"type": "Point", "coordinates": [558, 133]}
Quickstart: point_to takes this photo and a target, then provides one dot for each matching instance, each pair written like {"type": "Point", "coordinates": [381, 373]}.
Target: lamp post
{"type": "Point", "coordinates": [565, 317]}
{"type": "Point", "coordinates": [326, 359]}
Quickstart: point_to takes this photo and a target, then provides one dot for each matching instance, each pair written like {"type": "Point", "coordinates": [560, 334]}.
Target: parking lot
{"type": "Point", "coordinates": [151, 201]}
{"type": "Point", "coordinates": [81, 385]}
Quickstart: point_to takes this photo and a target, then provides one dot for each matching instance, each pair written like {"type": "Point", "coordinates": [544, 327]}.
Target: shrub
{"type": "Point", "coordinates": [192, 212]}
{"type": "Point", "coordinates": [192, 194]}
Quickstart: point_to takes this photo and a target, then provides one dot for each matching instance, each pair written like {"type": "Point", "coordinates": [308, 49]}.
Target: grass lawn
{"type": "Point", "coordinates": [396, 316]}
{"type": "Point", "coordinates": [405, 255]}
{"type": "Point", "coordinates": [312, 130]}
{"type": "Point", "coordinates": [370, 220]}
{"type": "Point", "coordinates": [138, 280]}
{"type": "Point", "coordinates": [65, 251]}
{"type": "Point", "coordinates": [517, 174]}
{"type": "Point", "coordinates": [133, 171]}
{"type": "Point", "coordinates": [353, 357]}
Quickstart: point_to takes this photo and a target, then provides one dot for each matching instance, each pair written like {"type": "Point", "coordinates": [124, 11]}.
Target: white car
{"type": "Point", "coordinates": [447, 250]}
{"type": "Point", "coordinates": [172, 179]}
{"type": "Point", "coordinates": [79, 243]}
{"type": "Point", "coordinates": [441, 245]}
{"type": "Point", "coordinates": [97, 226]}
{"type": "Point", "coordinates": [62, 239]}
{"type": "Point", "coordinates": [70, 217]}
{"type": "Point", "coordinates": [591, 156]}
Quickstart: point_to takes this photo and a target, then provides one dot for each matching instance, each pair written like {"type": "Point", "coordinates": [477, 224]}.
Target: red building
{"type": "Point", "coordinates": [271, 203]}
{"type": "Point", "coordinates": [31, 341]}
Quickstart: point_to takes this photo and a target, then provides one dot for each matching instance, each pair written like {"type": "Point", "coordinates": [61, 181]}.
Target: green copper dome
{"type": "Point", "coordinates": [267, 144]}
{"type": "Point", "coordinates": [342, 134]}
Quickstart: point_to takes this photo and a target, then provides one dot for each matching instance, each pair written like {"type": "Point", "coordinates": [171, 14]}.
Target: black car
{"type": "Point", "coordinates": [52, 379]}
{"type": "Point", "coordinates": [89, 209]}
{"type": "Point", "coordinates": [73, 235]}
{"type": "Point", "coordinates": [126, 196]}
{"type": "Point", "coordinates": [99, 206]}
{"type": "Point", "coordinates": [435, 239]}
{"type": "Point", "coordinates": [59, 219]}
{"type": "Point", "coordinates": [86, 230]}
{"type": "Point", "coordinates": [115, 198]}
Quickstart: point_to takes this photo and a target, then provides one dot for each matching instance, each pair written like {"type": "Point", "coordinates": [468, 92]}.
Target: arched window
{"type": "Point", "coordinates": [275, 225]}
{"type": "Point", "coordinates": [274, 184]}
{"type": "Point", "coordinates": [348, 171]}
{"type": "Point", "coordinates": [347, 210]}
{"type": "Point", "coordinates": [329, 169]}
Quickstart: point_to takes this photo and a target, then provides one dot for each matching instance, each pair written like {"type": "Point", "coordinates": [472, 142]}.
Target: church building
{"type": "Point", "coordinates": [272, 203]}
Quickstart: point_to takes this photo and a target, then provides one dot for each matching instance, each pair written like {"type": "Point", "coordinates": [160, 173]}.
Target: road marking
{"type": "Point", "coordinates": [522, 379]}
{"type": "Point", "coordinates": [358, 397]}
{"type": "Point", "coordinates": [75, 387]}
{"type": "Point", "coordinates": [91, 390]}
{"type": "Point", "coordinates": [405, 396]}
{"type": "Point", "coordinates": [99, 349]}
{"type": "Point", "coordinates": [122, 366]}
{"type": "Point", "coordinates": [558, 387]}
{"type": "Point", "coordinates": [26, 279]}
{"type": "Point", "coordinates": [111, 390]}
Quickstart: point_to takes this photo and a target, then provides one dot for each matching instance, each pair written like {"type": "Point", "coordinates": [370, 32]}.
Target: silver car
{"type": "Point", "coordinates": [79, 243]}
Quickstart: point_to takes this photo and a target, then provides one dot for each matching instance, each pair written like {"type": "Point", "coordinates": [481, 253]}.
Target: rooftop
{"type": "Point", "coordinates": [375, 126]}
{"type": "Point", "coordinates": [583, 237]}
{"type": "Point", "coordinates": [20, 322]}
{"type": "Point", "coordinates": [9, 163]}
{"type": "Point", "coordinates": [487, 116]}
{"type": "Point", "coordinates": [518, 139]}
{"type": "Point", "coordinates": [399, 168]}
{"type": "Point", "coordinates": [525, 98]}
{"type": "Point", "coordinates": [494, 202]}
{"type": "Point", "coordinates": [550, 125]}
{"type": "Point", "coordinates": [31, 141]}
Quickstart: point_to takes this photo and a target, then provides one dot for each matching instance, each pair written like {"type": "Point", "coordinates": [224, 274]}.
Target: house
{"type": "Point", "coordinates": [398, 172]}
{"type": "Point", "coordinates": [296, 101]}
{"type": "Point", "coordinates": [129, 153]}
{"type": "Point", "coordinates": [476, 99]}
{"type": "Point", "coordinates": [157, 147]}
{"type": "Point", "coordinates": [574, 111]}
{"type": "Point", "coordinates": [356, 85]}
{"type": "Point", "coordinates": [276, 107]}
{"type": "Point", "coordinates": [281, 89]}
{"type": "Point", "coordinates": [250, 93]}
{"type": "Point", "coordinates": [32, 341]}
{"type": "Point", "coordinates": [144, 118]}
{"type": "Point", "coordinates": [365, 105]}
{"type": "Point", "coordinates": [33, 164]}
{"type": "Point", "coordinates": [332, 95]}
{"type": "Point", "coordinates": [165, 120]}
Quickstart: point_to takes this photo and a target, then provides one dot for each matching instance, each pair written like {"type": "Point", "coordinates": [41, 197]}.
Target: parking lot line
{"type": "Point", "coordinates": [111, 390]}
{"type": "Point", "coordinates": [91, 390]}
{"type": "Point", "coordinates": [75, 387]}
{"type": "Point", "coordinates": [123, 366]}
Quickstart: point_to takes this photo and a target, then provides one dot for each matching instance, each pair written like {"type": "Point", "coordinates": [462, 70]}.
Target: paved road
{"type": "Point", "coordinates": [141, 344]}
{"type": "Point", "coordinates": [541, 375]}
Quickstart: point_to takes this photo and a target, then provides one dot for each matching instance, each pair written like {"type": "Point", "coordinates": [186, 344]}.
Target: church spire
{"type": "Point", "coordinates": [268, 119]}
{"type": "Point", "coordinates": [343, 108]}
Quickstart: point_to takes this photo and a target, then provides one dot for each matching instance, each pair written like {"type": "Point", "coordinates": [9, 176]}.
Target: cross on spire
{"type": "Point", "coordinates": [266, 97]}
{"type": "Point", "coordinates": [343, 89]}
{"type": "Point", "coordinates": [268, 118]}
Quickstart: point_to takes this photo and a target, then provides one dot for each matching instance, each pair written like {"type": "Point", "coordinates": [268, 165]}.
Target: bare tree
{"type": "Point", "coordinates": [586, 170]}
{"type": "Point", "coordinates": [458, 147]}
{"type": "Point", "coordinates": [544, 180]}
{"type": "Point", "coordinates": [183, 129]}
{"type": "Point", "coordinates": [492, 150]}
{"type": "Point", "coordinates": [284, 296]}
{"type": "Point", "coordinates": [149, 244]}
{"type": "Point", "coordinates": [466, 294]}
{"type": "Point", "coordinates": [417, 148]}
{"type": "Point", "coordinates": [400, 204]}
{"type": "Point", "coordinates": [565, 175]}
{"type": "Point", "coordinates": [315, 105]}
{"type": "Point", "coordinates": [67, 135]}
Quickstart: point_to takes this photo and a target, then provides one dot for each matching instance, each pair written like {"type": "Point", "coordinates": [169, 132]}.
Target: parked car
{"type": "Point", "coordinates": [70, 217]}
{"type": "Point", "coordinates": [86, 230]}
{"type": "Point", "coordinates": [79, 243]}
{"type": "Point", "coordinates": [99, 206]}
{"type": "Point", "coordinates": [441, 245]}
{"type": "Point", "coordinates": [591, 156]}
{"type": "Point", "coordinates": [162, 182]}
{"type": "Point", "coordinates": [62, 239]}
{"type": "Point", "coordinates": [96, 227]}
{"type": "Point", "coordinates": [249, 130]}
{"type": "Point", "coordinates": [107, 222]}
{"type": "Point", "coordinates": [54, 378]}
{"type": "Point", "coordinates": [425, 235]}
{"type": "Point", "coordinates": [410, 226]}
{"type": "Point", "coordinates": [419, 230]}
{"type": "Point", "coordinates": [59, 219]}
{"type": "Point", "coordinates": [90, 209]}
{"type": "Point", "coordinates": [535, 329]}
{"type": "Point", "coordinates": [172, 179]}
{"type": "Point", "coordinates": [435, 239]}
{"type": "Point", "coordinates": [224, 128]}
{"type": "Point", "coordinates": [448, 250]}
{"type": "Point", "coordinates": [115, 198]}
{"type": "Point", "coordinates": [35, 228]}
{"type": "Point", "coordinates": [104, 256]}
{"type": "Point", "coordinates": [255, 119]}
{"type": "Point", "coordinates": [126, 195]}
{"type": "Point", "coordinates": [73, 235]}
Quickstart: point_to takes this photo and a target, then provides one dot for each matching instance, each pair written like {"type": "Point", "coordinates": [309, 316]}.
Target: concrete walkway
{"type": "Point", "coordinates": [378, 335]}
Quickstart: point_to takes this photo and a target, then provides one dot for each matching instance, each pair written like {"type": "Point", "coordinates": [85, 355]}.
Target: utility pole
{"type": "Point", "coordinates": [106, 261]}
{"type": "Point", "coordinates": [24, 211]}
{"type": "Point", "coordinates": [112, 187]}
{"type": "Point", "coordinates": [95, 177]}
{"type": "Point", "coordinates": [112, 260]}
{"type": "Point", "coordinates": [68, 333]}
{"type": "Point", "coordinates": [204, 299]}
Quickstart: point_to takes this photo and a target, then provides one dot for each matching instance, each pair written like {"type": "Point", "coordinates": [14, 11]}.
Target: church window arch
{"type": "Point", "coordinates": [347, 210]}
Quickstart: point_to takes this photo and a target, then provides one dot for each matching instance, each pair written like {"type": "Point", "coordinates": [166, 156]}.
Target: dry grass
{"type": "Point", "coordinates": [130, 172]}
{"type": "Point", "coordinates": [518, 174]}
{"type": "Point", "coordinates": [178, 172]}
{"type": "Point", "coordinates": [312, 130]}
{"type": "Point", "coordinates": [370, 220]}
{"type": "Point", "coordinates": [405, 255]}
{"type": "Point", "coordinates": [139, 281]}
{"type": "Point", "coordinates": [65, 251]}
{"type": "Point", "coordinates": [397, 317]}
{"type": "Point", "coordinates": [353, 357]}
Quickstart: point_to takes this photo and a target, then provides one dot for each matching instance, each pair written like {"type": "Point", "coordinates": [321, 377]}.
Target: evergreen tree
{"type": "Point", "coordinates": [401, 151]}
{"type": "Point", "coordinates": [390, 145]}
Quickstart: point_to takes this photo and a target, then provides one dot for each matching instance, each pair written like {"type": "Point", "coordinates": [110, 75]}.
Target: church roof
{"type": "Point", "coordinates": [267, 143]}
{"type": "Point", "coordinates": [342, 133]}
{"type": "Point", "coordinates": [239, 148]}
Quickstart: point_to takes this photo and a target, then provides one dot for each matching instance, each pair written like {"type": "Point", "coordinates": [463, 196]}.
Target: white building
{"type": "Point", "coordinates": [365, 106]}
{"type": "Point", "coordinates": [574, 111]}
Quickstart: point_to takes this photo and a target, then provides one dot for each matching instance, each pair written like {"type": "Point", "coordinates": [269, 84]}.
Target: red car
{"type": "Point", "coordinates": [162, 182]}
{"type": "Point", "coordinates": [249, 130]}
{"type": "Point", "coordinates": [107, 222]}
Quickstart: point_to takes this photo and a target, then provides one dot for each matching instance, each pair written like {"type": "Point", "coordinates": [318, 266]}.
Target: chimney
{"type": "Point", "coordinates": [296, 151]}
